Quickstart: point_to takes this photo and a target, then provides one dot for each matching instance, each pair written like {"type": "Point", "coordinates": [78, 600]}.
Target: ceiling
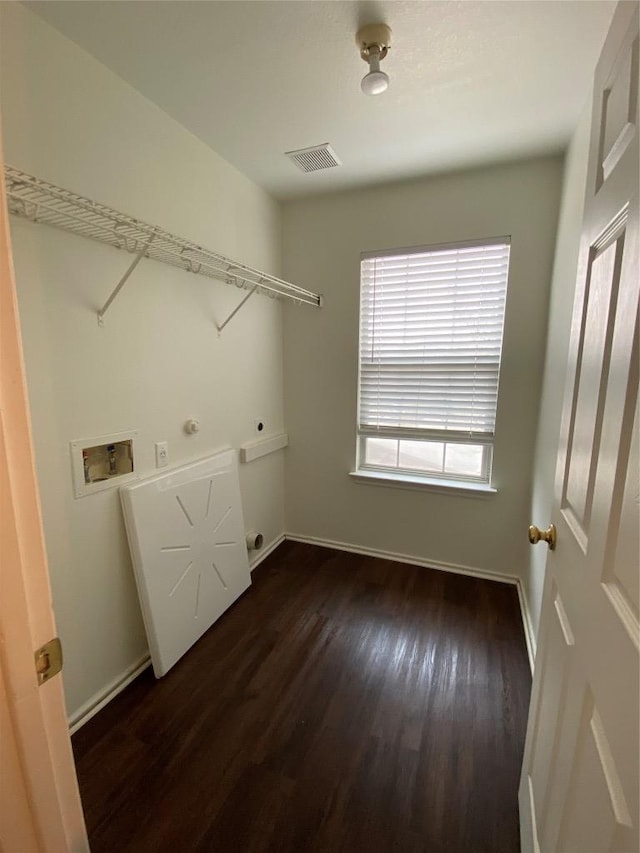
{"type": "Point", "coordinates": [471, 82]}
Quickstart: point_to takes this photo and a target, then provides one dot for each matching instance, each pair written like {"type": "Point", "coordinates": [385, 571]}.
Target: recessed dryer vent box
{"type": "Point", "coordinates": [102, 463]}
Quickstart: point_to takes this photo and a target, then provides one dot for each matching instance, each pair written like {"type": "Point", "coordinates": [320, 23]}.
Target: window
{"type": "Point", "coordinates": [431, 324]}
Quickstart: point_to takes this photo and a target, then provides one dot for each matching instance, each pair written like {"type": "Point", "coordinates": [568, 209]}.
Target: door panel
{"type": "Point", "coordinates": [595, 780]}
{"type": "Point", "coordinates": [556, 664]}
{"type": "Point", "coordinates": [619, 111]}
{"type": "Point", "coordinates": [620, 576]}
{"type": "Point", "coordinates": [591, 383]}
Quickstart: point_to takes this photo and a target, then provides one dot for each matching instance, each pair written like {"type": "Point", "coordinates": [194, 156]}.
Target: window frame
{"type": "Point", "coordinates": [416, 477]}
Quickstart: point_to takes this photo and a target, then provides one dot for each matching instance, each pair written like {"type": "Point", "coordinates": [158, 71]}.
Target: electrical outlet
{"type": "Point", "coordinates": [260, 426]}
{"type": "Point", "coordinates": [162, 454]}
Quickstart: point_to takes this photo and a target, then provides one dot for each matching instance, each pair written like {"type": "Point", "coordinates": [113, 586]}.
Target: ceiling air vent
{"type": "Point", "coordinates": [314, 158]}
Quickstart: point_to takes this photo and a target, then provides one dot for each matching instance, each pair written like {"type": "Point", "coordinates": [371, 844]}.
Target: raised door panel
{"type": "Point", "coordinates": [619, 111]}
{"type": "Point", "coordinates": [591, 378]}
{"type": "Point", "coordinates": [621, 577]}
{"type": "Point", "coordinates": [596, 813]}
{"type": "Point", "coordinates": [555, 714]}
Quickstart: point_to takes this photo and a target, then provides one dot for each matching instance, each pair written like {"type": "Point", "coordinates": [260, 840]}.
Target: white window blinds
{"type": "Point", "coordinates": [431, 324]}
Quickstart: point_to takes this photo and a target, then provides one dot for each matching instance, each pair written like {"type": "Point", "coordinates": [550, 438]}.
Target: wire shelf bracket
{"type": "Point", "coordinates": [123, 281]}
{"type": "Point", "coordinates": [41, 202]}
{"type": "Point", "coordinates": [237, 308]}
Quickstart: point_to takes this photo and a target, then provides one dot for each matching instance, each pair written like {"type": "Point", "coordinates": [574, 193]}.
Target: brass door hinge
{"type": "Point", "coordinates": [48, 660]}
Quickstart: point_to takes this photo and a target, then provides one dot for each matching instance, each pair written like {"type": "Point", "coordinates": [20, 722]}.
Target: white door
{"type": "Point", "coordinates": [579, 786]}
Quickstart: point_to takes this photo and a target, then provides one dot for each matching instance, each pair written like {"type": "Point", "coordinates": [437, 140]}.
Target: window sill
{"type": "Point", "coordinates": [407, 481]}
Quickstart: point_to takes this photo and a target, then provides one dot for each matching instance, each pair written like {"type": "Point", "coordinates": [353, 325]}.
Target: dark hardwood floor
{"type": "Point", "coordinates": [344, 703]}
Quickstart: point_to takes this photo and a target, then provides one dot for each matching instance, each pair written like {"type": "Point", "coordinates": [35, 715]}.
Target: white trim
{"type": "Point", "coordinates": [106, 694]}
{"type": "Point", "coordinates": [261, 447]}
{"type": "Point", "coordinates": [265, 551]}
{"type": "Point", "coordinates": [455, 568]}
{"type": "Point", "coordinates": [402, 480]}
{"type": "Point", "coordinates": [527, 624]}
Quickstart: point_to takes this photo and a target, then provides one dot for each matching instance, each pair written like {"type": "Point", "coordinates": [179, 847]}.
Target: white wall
{"type": "Point", "coordinates": [323, 239]}
{"type": "Point", "coordinates": [559, 328]}
{"type": "Point", "coordinates": [158, 360]}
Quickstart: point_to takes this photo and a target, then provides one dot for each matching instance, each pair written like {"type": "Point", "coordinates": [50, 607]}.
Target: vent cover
{"type": "Point", "coordinates": [314, 158]}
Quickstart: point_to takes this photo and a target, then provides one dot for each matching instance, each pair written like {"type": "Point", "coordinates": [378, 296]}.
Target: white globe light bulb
{"type": "Point", "coordinates": [374, 83]}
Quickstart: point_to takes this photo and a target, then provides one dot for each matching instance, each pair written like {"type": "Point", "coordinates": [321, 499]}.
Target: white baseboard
{"type": "Point", "coordinates": [104, 696]}
{"type": "Point", "coordinates": [527, 624]}
{"type": "Point", "coordinates": [264, 552]}
{"type": "Point", "coordinates": [405, 558]}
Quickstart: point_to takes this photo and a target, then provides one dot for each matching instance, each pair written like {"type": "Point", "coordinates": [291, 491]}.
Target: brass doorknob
{"type": "Point", "coordinates": [548, 535]}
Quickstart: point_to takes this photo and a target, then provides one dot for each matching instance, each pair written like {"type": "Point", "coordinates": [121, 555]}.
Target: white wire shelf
{"type": "Point", "coordinates": [48, 204]}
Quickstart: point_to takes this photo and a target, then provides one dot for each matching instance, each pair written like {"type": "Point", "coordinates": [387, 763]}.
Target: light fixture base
{"type": "Point", "coordinates": [373, 35]}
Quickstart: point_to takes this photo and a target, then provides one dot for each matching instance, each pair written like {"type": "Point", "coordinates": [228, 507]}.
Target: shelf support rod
{"type": "Point", "coordinates": [123, 280]}
{"type": "Point", "coordinates": [237, 308]}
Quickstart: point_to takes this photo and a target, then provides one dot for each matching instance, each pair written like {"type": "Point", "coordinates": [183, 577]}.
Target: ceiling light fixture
{"type": "Point", "coordinates": [374, 42]}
